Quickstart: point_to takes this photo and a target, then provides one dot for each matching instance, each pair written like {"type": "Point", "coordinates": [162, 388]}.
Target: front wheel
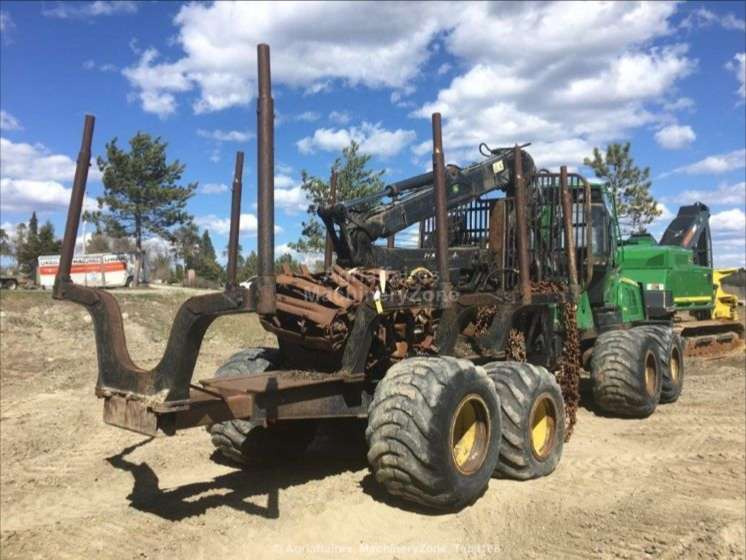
{"type": "Point", "coordinates": [626, 373]}
{"type": "Point", "coordinates": [434, 431]}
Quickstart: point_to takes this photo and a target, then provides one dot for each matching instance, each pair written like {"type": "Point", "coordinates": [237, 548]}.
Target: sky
{"type": "Point", "coordinates": [668, 77]}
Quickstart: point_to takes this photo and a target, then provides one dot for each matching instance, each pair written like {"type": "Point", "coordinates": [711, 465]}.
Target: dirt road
{"type": "Point", "coordinates": [671, 486]}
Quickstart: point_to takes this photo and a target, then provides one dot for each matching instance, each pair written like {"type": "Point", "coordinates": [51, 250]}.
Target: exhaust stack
{"type": "Point", "coordinates": [266, 186]}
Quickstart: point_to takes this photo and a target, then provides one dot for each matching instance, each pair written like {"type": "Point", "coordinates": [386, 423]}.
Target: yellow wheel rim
{"type": "Point", "coordinates": [675, 366]}
{"type": "Point", "coordinates": [651, 373]}
{"type": "Point", "coordinates": [543, 424]}
{"type": "Point", "coordinates": [470, 434]}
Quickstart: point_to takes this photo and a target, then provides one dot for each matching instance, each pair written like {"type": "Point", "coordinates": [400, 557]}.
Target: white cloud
{"type": "Point", "coordinates": [340, 117]}
{"type": "Point", "coordinates": [370, 44]}
{"type": "Point", "coordinates": [73, 10]}
{"type": "Point", "coordinates": [6, 22]}
{"type": "Point", "coordinates": [733, 220]}
{"type": "Point", "coordinates": [702, 17]}
{"type": "Point", "coordinates": [226, 135]}
{"type": "Point", "coordinates": [680, 104]}
{"type": "Point", "coordinates": [314, 261]}
{"type": "Point", "coordinates": [729, 251]}
{"type": "Point", "coordinates": [9, 122]}
{"type": "Point", "coordinates": [674, 137]}
{"type": "Point", "coordinates": [308, 116]}
{"type": "Point", "coordinates": [90, 64]}
{"type": "Point", "coordinates": [715, 164]}
{"type": "Point", "coordinates": [536, 82]}
{"type": "Point", "coordinates": [31, 178]}
{"type": "Point", "coordinates": [738, 66]}
{"type": "Point", "coordinates": [23, 195]}
{"type": "Point", "coordinates": [156, 82]}
{"type": "Point", "coordinates": [213, 188]}
{"type": "Point", "coordinates": [35, 162]}
{"type": "Point", "coordinates": [444, 69]}
{"type": "Point", "coordinates": [724, 194]}
{"type": "Point", "coordinates": [221, 226]}
{"type": "Point", "coordinates": [373, 139]}
{"type": "Point", "coordinates": [289, 195]}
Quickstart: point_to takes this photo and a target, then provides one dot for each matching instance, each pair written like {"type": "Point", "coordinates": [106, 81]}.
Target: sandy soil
{"type": "Point", "coordinates": [671, 486]}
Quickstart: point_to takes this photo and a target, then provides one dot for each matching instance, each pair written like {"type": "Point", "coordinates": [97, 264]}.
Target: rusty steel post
{"type": "Point", "coordinates": [441, 211]}
{"type": "Point", "coordinates": [76, 207]}
{"type": "Point", "coordinates": [266, 185]}
{"type": "Point", "coordinates": [329, 249]}
{"type": "Point", "coordinates": [232, 267]}
{"type": "Point", "coordinates": [588, 233]}
{"type": "Point", "coordinates": [521, 215]}
{"type": "Point", "coordinates": [566, 201]}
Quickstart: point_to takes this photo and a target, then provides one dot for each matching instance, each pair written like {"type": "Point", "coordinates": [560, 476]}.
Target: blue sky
{"type": "Point", "coordinates": [667, 77]}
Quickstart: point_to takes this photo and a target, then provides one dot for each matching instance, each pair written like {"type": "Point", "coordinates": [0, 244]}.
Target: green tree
{"type": "Point", "coordinates": [98, 243]}
{"type": "Point", "coordinates": [21, 235]}
{"type": "Point", "coordinates": [27, 245]}
{"type": "Point", "coordinates": [354, 179]}
{"type": "Point", "coordinates": [6, 247]}
{"type": "Point", "coordinates": [249, 268]}
{"type": "Point", "coordinates": [187, 244]}
{"type": "Point", "coordinates": [142, 193]}
{"type": "Point", "coordinates": [287, 259]}
{"type": "Point", "coordinates": [628, 184]}
{"type": "Point", "coordinates": [207, 265]}
{"type": "Point", "coordinates": [48, 244]}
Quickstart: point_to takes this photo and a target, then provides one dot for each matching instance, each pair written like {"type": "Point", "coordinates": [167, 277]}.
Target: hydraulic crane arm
{"type": "Point", "coordinates": [356, 224]}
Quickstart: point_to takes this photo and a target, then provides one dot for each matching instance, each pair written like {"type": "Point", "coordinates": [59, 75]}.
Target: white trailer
{"type": "Point", "coordinates": [100, 270]}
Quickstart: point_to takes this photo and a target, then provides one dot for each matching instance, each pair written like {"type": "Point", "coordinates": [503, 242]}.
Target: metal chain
{"type": "Point", "coordinates": [568, 373]}
{"type": "Point", "coordinates": [516, 346]}
{"type": "Point", "coordinates": [569, 363]}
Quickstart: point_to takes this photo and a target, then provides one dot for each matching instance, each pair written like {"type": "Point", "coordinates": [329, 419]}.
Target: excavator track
{"type": "Point", "coordinates": [710, 337]}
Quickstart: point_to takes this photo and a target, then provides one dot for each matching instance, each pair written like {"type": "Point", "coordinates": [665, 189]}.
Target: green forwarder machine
{"type": "Point", "coordinates": [463, 355]}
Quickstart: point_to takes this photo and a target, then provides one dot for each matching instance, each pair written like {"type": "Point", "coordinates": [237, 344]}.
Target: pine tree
{"type": "Point", "coordinates": [187, 244]}
{"type": "Point", "coordinates": [19, 249]}
{"type": "Point", "coordinates": [27, 245]}
{"type": "Point", "coordinates": [6, 247]}
{"type": "Point", "coordinates": [48, 244]}
{"type": "Point", "coordinates": [354, 180]}
{"type": "Point", "coordinates": [628, 185]}
{"type": "Point", "coordinates": [207, 265]}
{"type": "Point", "coordinates": [142, 193]}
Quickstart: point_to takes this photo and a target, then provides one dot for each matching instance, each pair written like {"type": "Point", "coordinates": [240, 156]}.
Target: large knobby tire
{"type": "Point", "coordinates": [626, 373]}
{"type": "Point", "coordinates": [253, 444]}
{"type": "Point", "coordinates": [670, 349]}
{"type": "Point", "coordinates": [533, 419]}
{"type": "Point", "coordinates": [434, 431]}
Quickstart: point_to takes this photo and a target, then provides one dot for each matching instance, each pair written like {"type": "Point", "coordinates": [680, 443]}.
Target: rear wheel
{"type": "Point", "coordinates": [250, 443]}
{"type": "Point", "coordinates": [434, 431]}
{"type": "Point", "coordinates": [626, 373]}
{"type": "Point", "coordinates": [533, 419]}
{"type": "Point", "coordinates": [670, 350]}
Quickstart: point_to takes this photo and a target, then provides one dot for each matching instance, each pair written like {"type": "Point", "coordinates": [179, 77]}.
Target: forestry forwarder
{"type": "Point", "coordinates": [446, 349]}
